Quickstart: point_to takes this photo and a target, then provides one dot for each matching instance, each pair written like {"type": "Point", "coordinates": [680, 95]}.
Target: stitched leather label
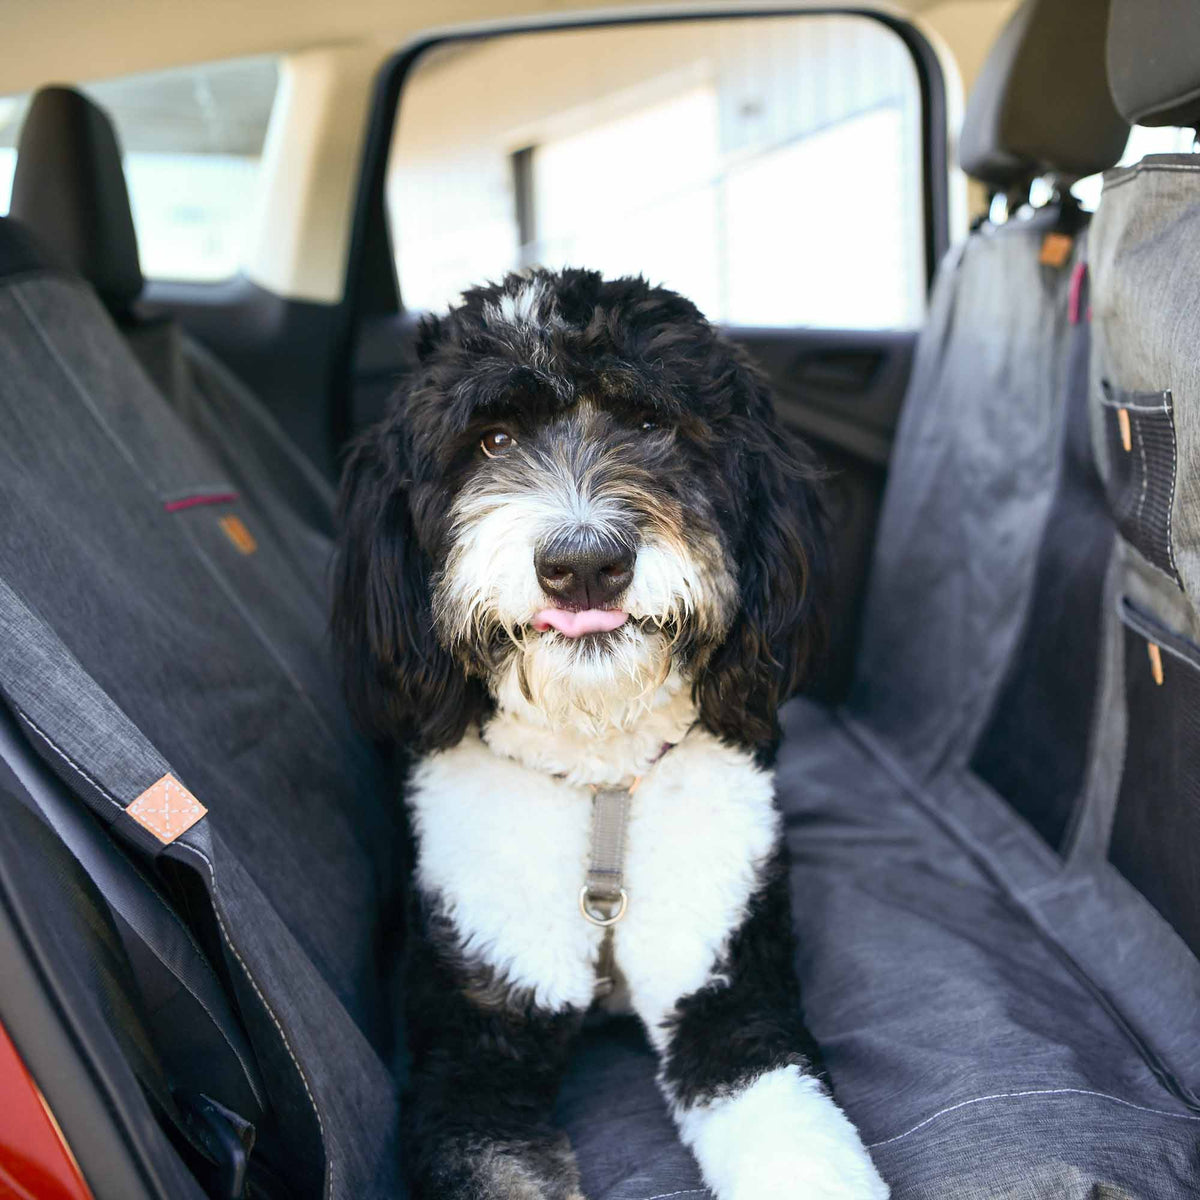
{"type": "Point", "coordinates": [1056, 249]}
{"type": "Point", "coordinates": [167, 809]}
{"type": "Point", "coordinates": [235, 530]}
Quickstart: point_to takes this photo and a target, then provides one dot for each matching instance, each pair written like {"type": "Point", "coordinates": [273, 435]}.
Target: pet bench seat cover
{"type": "Point", "coordinates": [971, 1049]}
{"type": "Point", "coordinates": [977, 1060]}
{"type": "Point", "coordinates": [1003, 1013]}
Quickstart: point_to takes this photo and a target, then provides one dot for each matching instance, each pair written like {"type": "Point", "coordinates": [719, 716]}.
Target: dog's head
{"type": "Point", "coordinates": [583, 493]}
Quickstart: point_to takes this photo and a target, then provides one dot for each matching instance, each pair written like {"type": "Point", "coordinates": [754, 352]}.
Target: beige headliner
{"type": "Point", "coordinates": [83, 40]}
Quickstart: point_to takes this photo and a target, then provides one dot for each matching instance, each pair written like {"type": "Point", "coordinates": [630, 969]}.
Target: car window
{"type": "Point", "coordinates": [769, 168]}
{"type": "Point", "coordinates": [12, 113]}
{"type": "Point", "coordinates": [192, 140]}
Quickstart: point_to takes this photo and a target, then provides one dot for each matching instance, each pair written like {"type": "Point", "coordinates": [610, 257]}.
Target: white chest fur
{"type": "Point", "coordinates": [506, 847]}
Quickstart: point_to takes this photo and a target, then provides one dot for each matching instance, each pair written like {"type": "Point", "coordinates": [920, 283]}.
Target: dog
{"type": "Point", "coordinates": [577, 573]}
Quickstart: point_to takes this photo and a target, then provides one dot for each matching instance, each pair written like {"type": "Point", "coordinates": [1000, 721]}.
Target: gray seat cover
{"type": "Point", "coordinates": [220, 658]}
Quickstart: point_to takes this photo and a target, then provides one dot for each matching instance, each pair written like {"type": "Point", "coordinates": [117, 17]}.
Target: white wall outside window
{"type": "Point", "coordinates": [770, 169]}
{"type": "Point", "coordinates": [1143, 140]}
{"type": "Point", "coordinates": [192, 140]}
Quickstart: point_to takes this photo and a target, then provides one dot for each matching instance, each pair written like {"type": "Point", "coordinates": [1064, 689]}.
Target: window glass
{"type": "Point", "coordinates": [1143, 140]}
{"type": "Point", "coordinates": [12, 113]}
{"type": "Point", "coordinates": [768, 168]}
{"type": "Point", "coordinates": [192, 140]}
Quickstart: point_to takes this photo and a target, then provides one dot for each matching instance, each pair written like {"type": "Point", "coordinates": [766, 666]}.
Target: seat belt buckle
{"type": "Point", "coordinates": [226, 1138]}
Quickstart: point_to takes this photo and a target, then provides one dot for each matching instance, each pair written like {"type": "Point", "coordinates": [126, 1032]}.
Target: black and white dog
{"type": "Point", "coordinates": [580, 555]}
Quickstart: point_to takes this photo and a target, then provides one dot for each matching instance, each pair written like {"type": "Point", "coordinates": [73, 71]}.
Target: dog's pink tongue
{"type": "Point", "coordinates": [576, 624]}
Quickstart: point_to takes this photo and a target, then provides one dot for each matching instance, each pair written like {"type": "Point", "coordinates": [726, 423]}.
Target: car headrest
{"type": "Point", "coordinates": [1154, 61]}
{"type": "Point", "coordinates": [69, 189]}
{"type": "Point", "coordinates": [1041, 104]}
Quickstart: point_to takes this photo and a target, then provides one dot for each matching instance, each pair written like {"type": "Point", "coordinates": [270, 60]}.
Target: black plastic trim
{"type": "Point", "coordinates": [284, 349]}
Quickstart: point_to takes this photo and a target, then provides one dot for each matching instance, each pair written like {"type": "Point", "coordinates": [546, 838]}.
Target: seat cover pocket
{"type": "Point", "coordinates": [1155, 840]}
{"type": "Point", "coordinates": [1139, 430]}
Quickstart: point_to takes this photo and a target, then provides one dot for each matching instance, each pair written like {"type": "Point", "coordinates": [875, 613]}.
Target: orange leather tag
{"type": "Point", "coordinates": [235, 530]}
{"type": "Point", "coordinates": [167, 809]}
{"type": "Point", "coordinates": [1156, 668]}
{"type": "Point", "coordinates": [1126, 429]}
{"type": "Point", "coordinates": [1056, 249]}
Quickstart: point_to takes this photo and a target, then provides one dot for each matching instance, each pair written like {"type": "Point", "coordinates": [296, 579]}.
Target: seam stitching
{"type": "Point", "coordinates": [66, 757]}
{"type": "Point", "coordinates": [1171, 499]}
{"type": "Point", "coordinates": [212, 874]}
{"type": "Point", "coordinates": [1033, 1092]}
{"type": "Point", "coordinates": [1145, 480]}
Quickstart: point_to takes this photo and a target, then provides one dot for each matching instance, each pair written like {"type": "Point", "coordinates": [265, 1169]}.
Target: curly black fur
{"type": "Point", "coordinates": [634, 350]}
{"type": "Point", "coordinates": [486, 1067]}
{"type": "Point", "coordinates": [686, 429]}
{"type": "Point", "coordinates": [748, 1020]}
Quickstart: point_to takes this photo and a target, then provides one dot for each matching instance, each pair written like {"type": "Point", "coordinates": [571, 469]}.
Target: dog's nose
{"type": "Point", "coordinates": [585, 571]}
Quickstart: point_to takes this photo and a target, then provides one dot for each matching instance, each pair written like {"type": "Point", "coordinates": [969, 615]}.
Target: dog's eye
{"type": "Point", "coordinates": [649, 425]}
{"type": "Point", "coordinates": [497, 442]}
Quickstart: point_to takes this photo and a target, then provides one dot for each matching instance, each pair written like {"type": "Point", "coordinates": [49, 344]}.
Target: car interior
{"type": "Point", "coordinates": [956, 235]}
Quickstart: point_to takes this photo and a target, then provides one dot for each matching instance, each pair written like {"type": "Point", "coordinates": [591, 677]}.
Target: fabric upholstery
{"type": "Point", "coordinates": [1041, 103]}
{"type": "Point", "coordinates": [964, 473]}
{"type": "Point", "coordinates": [69, 152]}
{"type": "Point", "coordinates": [220, 658]}
{"type": "Point", "coordinates": [988, 988]}
{"type": "Point", "coordinates": [69, 189]}
{"type": "Point", "coordinates": [1146, 432]}
{"type": "Point", "coordinates": [1153, 67]}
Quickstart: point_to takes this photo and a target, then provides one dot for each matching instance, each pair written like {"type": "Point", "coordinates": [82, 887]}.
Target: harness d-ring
{"type": "Point", "coordinates": [596, 919]}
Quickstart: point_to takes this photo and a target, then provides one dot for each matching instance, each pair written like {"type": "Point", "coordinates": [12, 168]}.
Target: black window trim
{"type": "Point", "coordinates": [371, 287]}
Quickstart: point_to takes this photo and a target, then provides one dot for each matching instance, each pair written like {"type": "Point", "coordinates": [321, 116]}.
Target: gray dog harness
{"type": "Point", "coordinates": [603, 899]}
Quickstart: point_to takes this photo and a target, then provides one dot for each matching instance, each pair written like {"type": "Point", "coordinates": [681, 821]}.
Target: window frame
{"type": "Point", "coordinates": [369, 293]}
{"type": "Point", "coordinates": [371, 287]}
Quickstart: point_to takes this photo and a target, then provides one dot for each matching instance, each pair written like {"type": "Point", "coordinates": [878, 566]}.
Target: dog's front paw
{"type": "Point", "coordinates": [780, 1138]}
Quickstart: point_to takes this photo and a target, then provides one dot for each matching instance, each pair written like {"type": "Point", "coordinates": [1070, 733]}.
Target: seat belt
{"type": "Point", "coordinates": [144, 918]}
{"type": "Point", "coordinates": [167, 960]}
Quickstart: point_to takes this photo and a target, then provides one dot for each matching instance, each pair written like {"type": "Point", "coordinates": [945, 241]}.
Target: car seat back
{"type": "Point", "coordinates": [172, 641]}
{"type": "Point", "coordinates": [1145, 408]}
{"type": "Point", "coordinates": [974, 468]}
{"type": "Point", "coordinates": [69, 190]}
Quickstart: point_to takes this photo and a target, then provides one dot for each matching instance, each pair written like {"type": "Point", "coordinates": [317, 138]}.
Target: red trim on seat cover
{"type": "Point", "coordinates": [203, 498]}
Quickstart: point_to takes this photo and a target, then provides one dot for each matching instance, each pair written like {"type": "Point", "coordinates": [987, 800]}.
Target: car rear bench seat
{"type": "Point", "coordinates": [1003, 1013]}
{"type": "Point", "coordinates": [995, 842]}
{"type": "Point", "coordinates": [144, 636]}
{"type": "Point", "coordinates": [995, 945]}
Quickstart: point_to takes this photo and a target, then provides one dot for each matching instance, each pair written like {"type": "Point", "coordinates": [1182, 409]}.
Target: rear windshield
{"type": "Point", "coordinates": [192, 140]}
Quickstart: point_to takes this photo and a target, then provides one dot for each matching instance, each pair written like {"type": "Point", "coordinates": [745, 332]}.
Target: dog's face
{"type": "Point", "coordinates": [583, 493]}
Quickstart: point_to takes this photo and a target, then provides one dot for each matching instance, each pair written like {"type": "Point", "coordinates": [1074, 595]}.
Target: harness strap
{"type": "Point", "coordinates": [603, 899]}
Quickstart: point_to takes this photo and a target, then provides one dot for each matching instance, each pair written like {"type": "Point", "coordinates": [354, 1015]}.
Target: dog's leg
{"type": "Point", "coordinates": [743, 1074]}
{"type": "Point", "coordinates": [485, 1072]}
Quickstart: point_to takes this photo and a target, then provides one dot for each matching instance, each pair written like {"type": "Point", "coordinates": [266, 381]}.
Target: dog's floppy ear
{"type": "Point", "coordinates": [400, 684]}
{"type": "Point", "coordinates": [782, 562]}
